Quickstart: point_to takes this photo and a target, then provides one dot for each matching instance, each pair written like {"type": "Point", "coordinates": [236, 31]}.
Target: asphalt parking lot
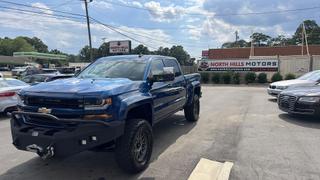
{"type": "Point", "coordinates": [238, 124]}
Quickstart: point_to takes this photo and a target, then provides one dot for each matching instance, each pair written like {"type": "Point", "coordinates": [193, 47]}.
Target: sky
{"type": "Point", "coordinates": [194, 24]}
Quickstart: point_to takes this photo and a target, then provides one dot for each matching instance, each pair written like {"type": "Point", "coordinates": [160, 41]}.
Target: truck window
{"type": "Point", "coordinates": [173, 63]}
{"type": "Point", "coordinates": [131, 69]}
{"type": "Point", "coordinates": [157, 67]}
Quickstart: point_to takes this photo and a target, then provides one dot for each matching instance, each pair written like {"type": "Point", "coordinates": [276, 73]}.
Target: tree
{"type": "Point", "coordinates": [260, 39]}
{"type": "Point", "coordinates": [312, 31]}
{"type": "Point", "coordinates": [163, 51]}
{"type": "Point", "coordinates": [84, 54]}
{"type": "Point", "coordinates": [9, 46]}
{"type": "Point", "coordinates": [141, 49]}
{"type": "Point", "coordinates": [104, 50]}
{"type": "Point", "coordinates": [240, 43]}
{"type": "Point", "coordinates": [280, 40]}
{"type": "Point", "coordinates": [37, 44]}
{"type": "Point", "coordinates": [180, 54]}
{"type": "Point", "coordinates": [56, 51]}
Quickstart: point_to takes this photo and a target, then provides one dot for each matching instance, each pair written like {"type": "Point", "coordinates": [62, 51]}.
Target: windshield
{"type": "Point", "coordinates": [11, 83]}
{"type": "Point", "coordinates": [311, 76]}
{"type": "Point", "coordinates": [131, 69]}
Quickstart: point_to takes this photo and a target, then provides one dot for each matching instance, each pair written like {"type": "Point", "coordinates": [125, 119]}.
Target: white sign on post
{"type": "Point", "coordinates": [119, 47]}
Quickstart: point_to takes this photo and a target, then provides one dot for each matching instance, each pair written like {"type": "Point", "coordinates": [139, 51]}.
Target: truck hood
{"type": "Point", "coordinates": [303, 91]}
{"type": "Point", "coordinates": [103, 86]}
{"type": "Point", "coordinates": [293, 82]}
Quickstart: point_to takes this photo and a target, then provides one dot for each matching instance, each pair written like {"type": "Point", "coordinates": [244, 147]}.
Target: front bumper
{"type": "Point", "coordinates": [301, 109]}
{"type": "Point", "coordinates": [71, 137]}
{"type": "Point", "coordinates": [274, 92]}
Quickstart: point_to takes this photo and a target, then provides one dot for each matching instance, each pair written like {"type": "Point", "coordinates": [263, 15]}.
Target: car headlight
{"type": "Point", "coordinates": [282, 87]}
{"type": "Point", "coordinates": [309, 99]}
{"type": "Point", "coordinates": [97, 104]}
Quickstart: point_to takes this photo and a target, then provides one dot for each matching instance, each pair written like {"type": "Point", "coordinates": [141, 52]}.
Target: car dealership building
{"type": "Point", "coordinates": [287, 59]}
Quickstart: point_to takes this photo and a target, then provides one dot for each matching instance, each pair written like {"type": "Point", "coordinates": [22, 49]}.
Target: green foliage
{"type": "Point", "coordinates": [37, 44]}
{"type": "Point", "coordinates": [240, 43]}
{"type": "Point", "coordinates": [141, 49]}
{"type": "Point", "coordinates": [9, 46]}
{"type": "Point", "coordinates": [276, 77]}
{"type": "Point", "coordinates": [290, 76]}
{"type": "Point", "coordinates": [236, 78]}
{"type": "Point", "coordinates": [205, 77]}
{"type": "Point", "coordinates": [215, 78]}
{"type": "Point", "coordinates": [260, 39]}
{"type": "Point", "coordinates": [262, 78]}
{"type": "Point", "coordinates": [226, 77]}
{"type": "Point", "coordinates": [250, 77]}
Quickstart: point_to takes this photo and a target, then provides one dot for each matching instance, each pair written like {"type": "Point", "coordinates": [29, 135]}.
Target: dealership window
{"type": "Point", "coordinates": [173, 63]}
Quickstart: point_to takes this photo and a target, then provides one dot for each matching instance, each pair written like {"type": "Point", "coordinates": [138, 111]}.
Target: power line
{"type": "Point", "coordinates": [148, 37]}
{"type": "Point", "coordinates": [114, 29]}
{"type": "Point", "coordinates": [37, 12]}
{"type": "Point", "coordinates": [47, 9]}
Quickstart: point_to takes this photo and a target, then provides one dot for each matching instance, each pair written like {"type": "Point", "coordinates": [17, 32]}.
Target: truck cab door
{"type": "Point", "coordinates": [159, 91]}
{"type": "Point", "coordinates": [177, 87]}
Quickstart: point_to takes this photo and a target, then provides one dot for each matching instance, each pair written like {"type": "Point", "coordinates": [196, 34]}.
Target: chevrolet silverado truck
{"type": "Point", "coordinates": [115, 102]}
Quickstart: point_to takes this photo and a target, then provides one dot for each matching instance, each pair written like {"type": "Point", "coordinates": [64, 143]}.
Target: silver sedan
{"type": "Point", "coordinates": [8, 93]}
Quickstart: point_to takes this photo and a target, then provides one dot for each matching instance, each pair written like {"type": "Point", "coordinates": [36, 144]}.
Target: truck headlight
{"type": "Point", "coordinates": [20, 100]}
{"type": "Point", "coordinates": [97, 104]}
{"type": "Point", "coordinates": [307, 99]}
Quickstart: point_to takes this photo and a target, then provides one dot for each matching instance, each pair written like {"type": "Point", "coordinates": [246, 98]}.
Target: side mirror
{"type": "Point", "coordinates": [167, 75]}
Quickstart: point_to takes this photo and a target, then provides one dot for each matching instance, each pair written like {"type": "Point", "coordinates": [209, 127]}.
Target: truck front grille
{"type": "Point", "coordinates": [287, 102]}
{"type": "Point", "coordinates": [54, 102]}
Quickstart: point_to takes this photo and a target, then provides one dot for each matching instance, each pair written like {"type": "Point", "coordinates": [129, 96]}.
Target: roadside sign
{"type": "Point", "coordinates": [257, 65]}
{"type": "Point", "coordinates": [120, 47]}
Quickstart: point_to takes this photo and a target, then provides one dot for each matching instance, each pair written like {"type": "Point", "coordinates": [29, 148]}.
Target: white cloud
{"type": "Point", "coordinates": [44, 8]}
{"type": "Point", "coordinates": [101, 4]}
{"type": "Point", "coordinates": [70, 36]}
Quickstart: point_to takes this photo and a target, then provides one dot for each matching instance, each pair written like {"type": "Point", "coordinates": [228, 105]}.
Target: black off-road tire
{"type": "Point", "coordinates": [192, 111]}
{"type": "Point", "coordinates": [134, 148]}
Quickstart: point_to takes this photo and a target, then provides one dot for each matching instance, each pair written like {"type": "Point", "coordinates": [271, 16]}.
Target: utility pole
{"type": "Point", "coordinates": [302, 39]}
{"type": "Point", "coordinates": [306, 38]}
{"type": "Point", "coordinates": [88, 25]}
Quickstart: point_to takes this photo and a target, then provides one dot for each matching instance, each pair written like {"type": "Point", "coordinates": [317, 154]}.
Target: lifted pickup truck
{"type": "Point", "coordinates": [113, 102]}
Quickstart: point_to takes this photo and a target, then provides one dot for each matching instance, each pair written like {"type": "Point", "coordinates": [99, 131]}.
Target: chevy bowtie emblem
{"type": "Point", "coordinates": [44, 110]}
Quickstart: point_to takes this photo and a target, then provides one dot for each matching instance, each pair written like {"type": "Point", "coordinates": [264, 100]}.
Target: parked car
{"type": "Point", "coordinates": [16, 72]}
{"type": "Point", "coordinates": [301, 100]}
{"type": "Point", "coordinates": [308, 79]}
{"type": "Point", "coordinates": [34, 70]}
{"type": "Point", "coordinates": [113, 102]}
{"type": "Point", "coordinates": [8, 93]}
{"type": "Point", "coordinates": [38, 78]}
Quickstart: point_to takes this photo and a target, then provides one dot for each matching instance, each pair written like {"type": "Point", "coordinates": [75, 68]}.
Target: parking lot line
{"type": "Point", "coordinates": [211, 170]}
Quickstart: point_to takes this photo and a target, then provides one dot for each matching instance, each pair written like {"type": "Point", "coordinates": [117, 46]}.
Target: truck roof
{"type": "Point", "coordinates": [135, 57]}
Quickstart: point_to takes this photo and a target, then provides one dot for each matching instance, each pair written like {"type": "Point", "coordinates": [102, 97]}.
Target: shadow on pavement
{"type": "Point", "coordinates": [273, 100]}
{"type": "Point", "coordinates": [4, 116]}
{"type": "Point", "coordinates": [304, 121]}
{"type": "Point", "coordinates": [98, 165]}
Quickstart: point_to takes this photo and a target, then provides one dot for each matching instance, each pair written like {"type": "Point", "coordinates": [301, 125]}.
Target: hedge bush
{"type": "Point", "coordinates": [290, 76]}
{"type": "Point", "coordinates": [226, 77]}
{"type": "Point", "coordinates": [215, 78]}
{"type": "Point", "coordinates": [250, 77]}
{"type": "Point", "coordinates": [205, 77]}
{"type": "Point", "coordinates": [236, 78]}
{"type": "Point", "coordinates": [262, 78]}
{"type": "Point", "coordinates": [276, 77]}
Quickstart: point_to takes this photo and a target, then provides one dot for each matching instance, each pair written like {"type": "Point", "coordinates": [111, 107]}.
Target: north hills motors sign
{"type": "Point", "coordinates": [257, 65]}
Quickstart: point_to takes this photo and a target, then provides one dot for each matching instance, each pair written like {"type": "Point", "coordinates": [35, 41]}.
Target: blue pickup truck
{"type": "Point", "coordinates": [114, 102]}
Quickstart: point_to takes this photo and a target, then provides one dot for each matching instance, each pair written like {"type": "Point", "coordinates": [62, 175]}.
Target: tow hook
{"type": "Point", "coordinates": [43, 153]}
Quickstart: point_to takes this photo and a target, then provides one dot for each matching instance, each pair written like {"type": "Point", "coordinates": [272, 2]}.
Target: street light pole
{"type": "Point", "coordinates": [88, 25]}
